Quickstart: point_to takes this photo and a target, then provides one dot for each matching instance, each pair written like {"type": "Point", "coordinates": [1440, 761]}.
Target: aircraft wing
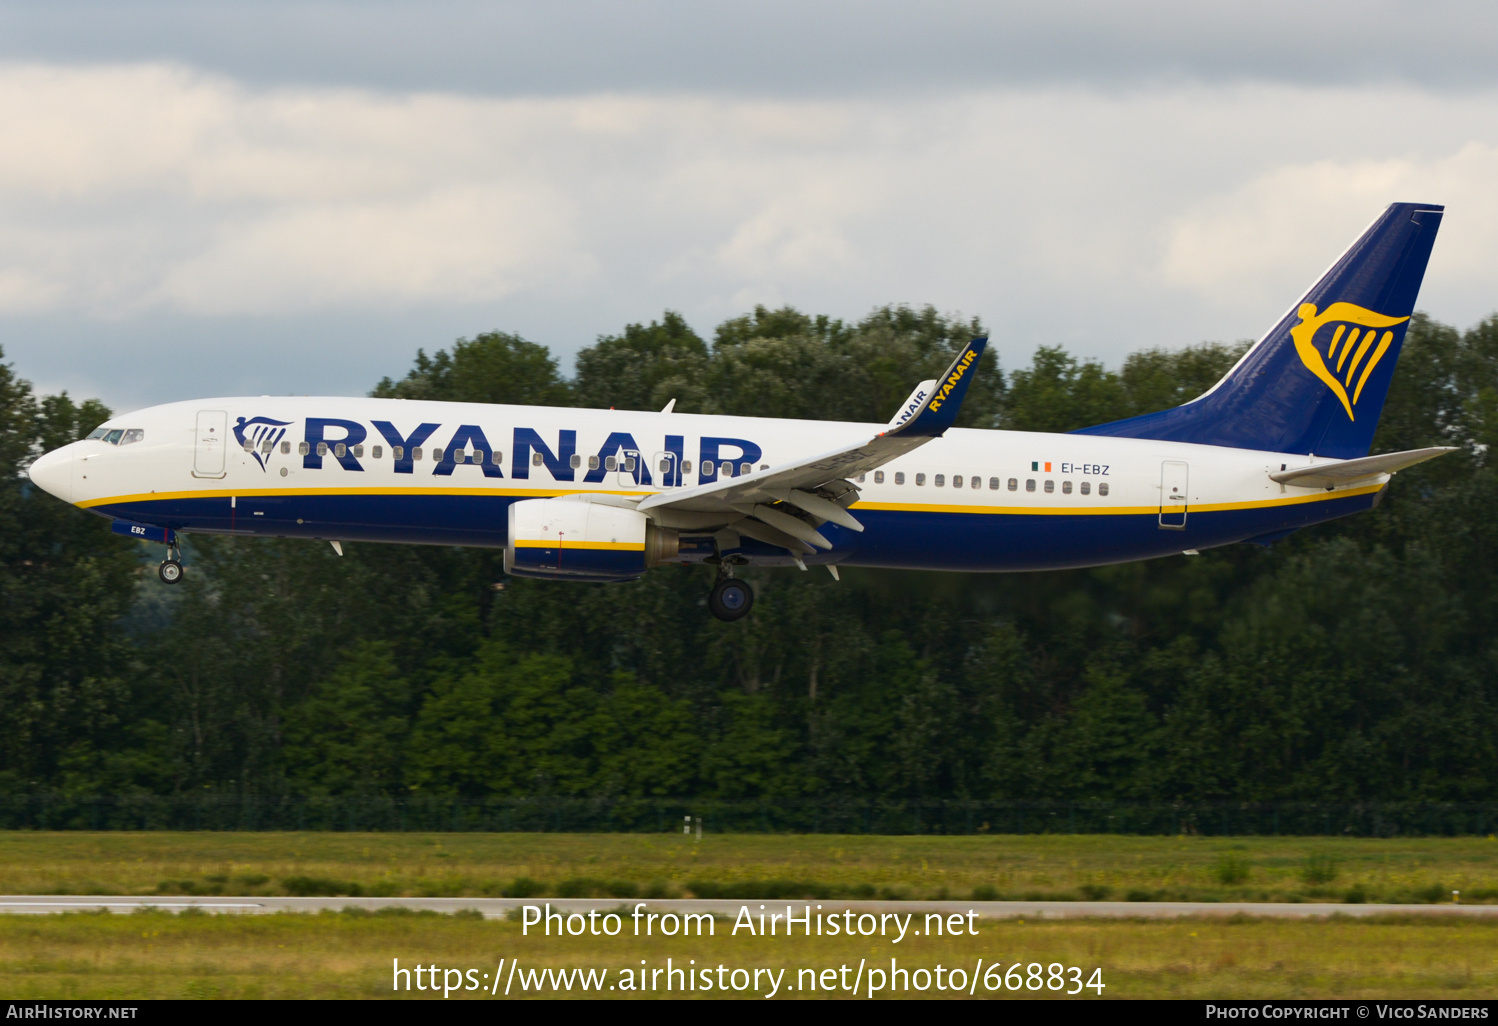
{"type": "Point", "coordinates": [1326, 475]}
{"type": "Point", "coordinates": [784, 504]}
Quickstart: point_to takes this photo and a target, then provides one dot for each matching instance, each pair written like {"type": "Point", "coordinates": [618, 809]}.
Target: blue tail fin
{"type": "Point", "coordinates": [1317, 381]}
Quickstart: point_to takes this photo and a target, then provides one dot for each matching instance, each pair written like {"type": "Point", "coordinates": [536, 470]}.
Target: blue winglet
{"type": "Point", "coordinates": [940, 409]}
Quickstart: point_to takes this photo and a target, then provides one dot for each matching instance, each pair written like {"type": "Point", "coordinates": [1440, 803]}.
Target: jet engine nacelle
{"type": "Point", "coordinates": [568, 539]}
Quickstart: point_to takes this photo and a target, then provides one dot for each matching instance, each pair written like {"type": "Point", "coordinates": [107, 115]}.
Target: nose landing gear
{"type": "Point", "coordinates": [731, 599]}
{"type": "Point", "coordinates": [170, 570]}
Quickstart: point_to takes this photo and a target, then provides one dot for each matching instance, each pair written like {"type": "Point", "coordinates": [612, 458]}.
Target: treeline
{"type": "Point", "coordinates": [1353, 661]}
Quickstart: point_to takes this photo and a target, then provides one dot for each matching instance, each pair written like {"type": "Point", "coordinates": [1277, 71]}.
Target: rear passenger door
{"type": "Point", "coordinates": [1173, 495]}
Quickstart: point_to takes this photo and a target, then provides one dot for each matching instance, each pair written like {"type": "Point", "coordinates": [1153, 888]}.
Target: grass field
{"type": "Point", "coordinates": [752, 866]}
{"type": "Point", "coordinates": [157, 955]}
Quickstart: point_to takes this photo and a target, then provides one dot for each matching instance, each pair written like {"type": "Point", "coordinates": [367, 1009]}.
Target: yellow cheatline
{"type": "Point", "coordinates": [557, 543]}
{"type": "Point", "coordinates": [1089, 511]}
{"type": "Point", "coordinates": [250, 493]}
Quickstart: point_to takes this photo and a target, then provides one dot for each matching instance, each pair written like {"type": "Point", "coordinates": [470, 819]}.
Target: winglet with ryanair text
{"type": "Point", "coordinates": [929, 415]}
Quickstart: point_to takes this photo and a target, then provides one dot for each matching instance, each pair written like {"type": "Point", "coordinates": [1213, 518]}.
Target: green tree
{"type": "Point", "coordinates": [65, 583]}
{"type": "Point", "coordinates": [644, 368]}
{"type": "Point", "coordinates": [495, 367]}
{"type": "Point", "coordinates": [345, 735]}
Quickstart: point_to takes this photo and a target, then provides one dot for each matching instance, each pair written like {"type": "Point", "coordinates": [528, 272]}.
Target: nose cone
{"type": "Point", "coordinates": [53, 473]}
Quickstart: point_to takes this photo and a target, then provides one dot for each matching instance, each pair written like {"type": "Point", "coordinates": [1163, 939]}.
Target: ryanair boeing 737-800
{"type": "Point", "coordinates": [1281, 442]}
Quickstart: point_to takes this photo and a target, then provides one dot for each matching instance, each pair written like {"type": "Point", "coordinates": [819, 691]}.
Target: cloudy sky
{"type": "Point", "coordinates": [227, 198]}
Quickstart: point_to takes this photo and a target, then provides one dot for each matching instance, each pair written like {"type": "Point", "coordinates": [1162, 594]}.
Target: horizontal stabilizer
{"type": "Point", "coordinates": [1327, 475]}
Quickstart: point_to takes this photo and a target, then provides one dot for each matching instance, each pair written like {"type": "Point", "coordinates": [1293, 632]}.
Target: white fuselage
{"type": "Point", "coordinates": [970, 500]}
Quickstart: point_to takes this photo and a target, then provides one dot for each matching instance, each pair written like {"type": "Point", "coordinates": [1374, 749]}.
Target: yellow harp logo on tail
{"type": "Point", "coordinates": [1347, 357]}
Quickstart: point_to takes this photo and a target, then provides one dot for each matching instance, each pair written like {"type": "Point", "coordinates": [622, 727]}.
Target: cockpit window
{"type": "Point", "coordinates": [118, 436]}
{"type": "Point", "coordinates": [97, 432]}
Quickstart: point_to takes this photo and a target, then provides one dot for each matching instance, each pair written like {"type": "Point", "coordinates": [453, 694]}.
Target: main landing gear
{"type": "Point", "coordinates": [170, 570]}
{"type": "Point", "coordinates": [731, 599]}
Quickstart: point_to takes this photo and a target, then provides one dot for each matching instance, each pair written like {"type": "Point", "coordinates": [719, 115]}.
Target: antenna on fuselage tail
{"type": "Point", "coordinates": [1317, 381]}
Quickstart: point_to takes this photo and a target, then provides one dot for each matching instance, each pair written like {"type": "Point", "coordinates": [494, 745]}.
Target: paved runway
{"type": "Point", "coordinates": [499, 907]}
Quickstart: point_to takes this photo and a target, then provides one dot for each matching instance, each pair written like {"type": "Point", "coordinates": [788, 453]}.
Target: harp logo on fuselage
{"type": "Point", "coordinates": [1344, 356]}
{"type": "Point", "coordinates": [259, 435]}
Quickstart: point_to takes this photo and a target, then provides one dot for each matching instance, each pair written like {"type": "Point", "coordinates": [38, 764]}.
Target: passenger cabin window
{"type": "Point", "coordinates": [436, 455]}
{"type": "Point", "coordinates": [920, 479]}
{"type": "Point", "coordinates": [899, 477]}
{"type": "Point", "coordinates": [1102, 488]}
{"type": "Point", "coordinates": [629, 463]}
{"type": "Point", "coordinates": [956, 481]}
{"type": "Point", "coordinates": [377, 452]}
{"type": "Point", "coordinates": [1050, 486]}
{"type": "Point", "coordinates": [1086, 487]}
{"type": "Point", "coordinates": [686, 466]}
{"type": "Point", "coordinates": [611, 463]}
{"type": "Point", "coordinates": [707, 468]}
{"type": "Point", "coordinates": [1065, 487]}
{"type": "Point", "coordinates": [745, 468]}
{"type": "Point", "coordinates": [496, 457]}
{"type": "Point", "coordinates": [879, 477]}
{"type": "Point", "coordinates": [592, 462]}
{"type": "Point", "coordinates": [575, 461]}
{"type": "Point", "coordinates": [941, 479]}
{"type": "Point", "coordinates": [340, 450]}
{"type": "Point", "coordinates": [1029, 484]}
{"type": "Point", "coordinates": [726, 470]}
{"type": "Point", "coordinates": [1013, 484]}
{"type": "Point", "coordinates": [285, 448]}
{"type": "Point", "coordinates": [322, 448]}
{"type": "Point", "coordinates": [303, 448]}
{"type": "Point", "coordinates": [416, 453]}
{"type": "Point", "coordinates": [978, 482]}
{"type": "Point", "coordinates": [535, 458]}
{"type": "Point", "coordinates": [861, 477]}
{"type": "Point", "coordinates": [266, 447]}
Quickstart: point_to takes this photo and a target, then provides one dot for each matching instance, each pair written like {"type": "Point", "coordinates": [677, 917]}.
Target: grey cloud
{"type": "Point", "coordinates": [770, 47]}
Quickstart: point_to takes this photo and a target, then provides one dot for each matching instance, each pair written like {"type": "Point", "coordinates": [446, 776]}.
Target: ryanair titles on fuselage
{"type": "Point", "coordinates": [336, 439]}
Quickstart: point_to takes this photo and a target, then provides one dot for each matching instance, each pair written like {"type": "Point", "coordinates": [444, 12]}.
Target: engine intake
{"type": "Point", "coordinates": [567, 539]}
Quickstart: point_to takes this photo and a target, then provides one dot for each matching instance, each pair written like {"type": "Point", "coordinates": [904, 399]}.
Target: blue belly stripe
{"type": "Point", "coordinates": [892, 538]}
